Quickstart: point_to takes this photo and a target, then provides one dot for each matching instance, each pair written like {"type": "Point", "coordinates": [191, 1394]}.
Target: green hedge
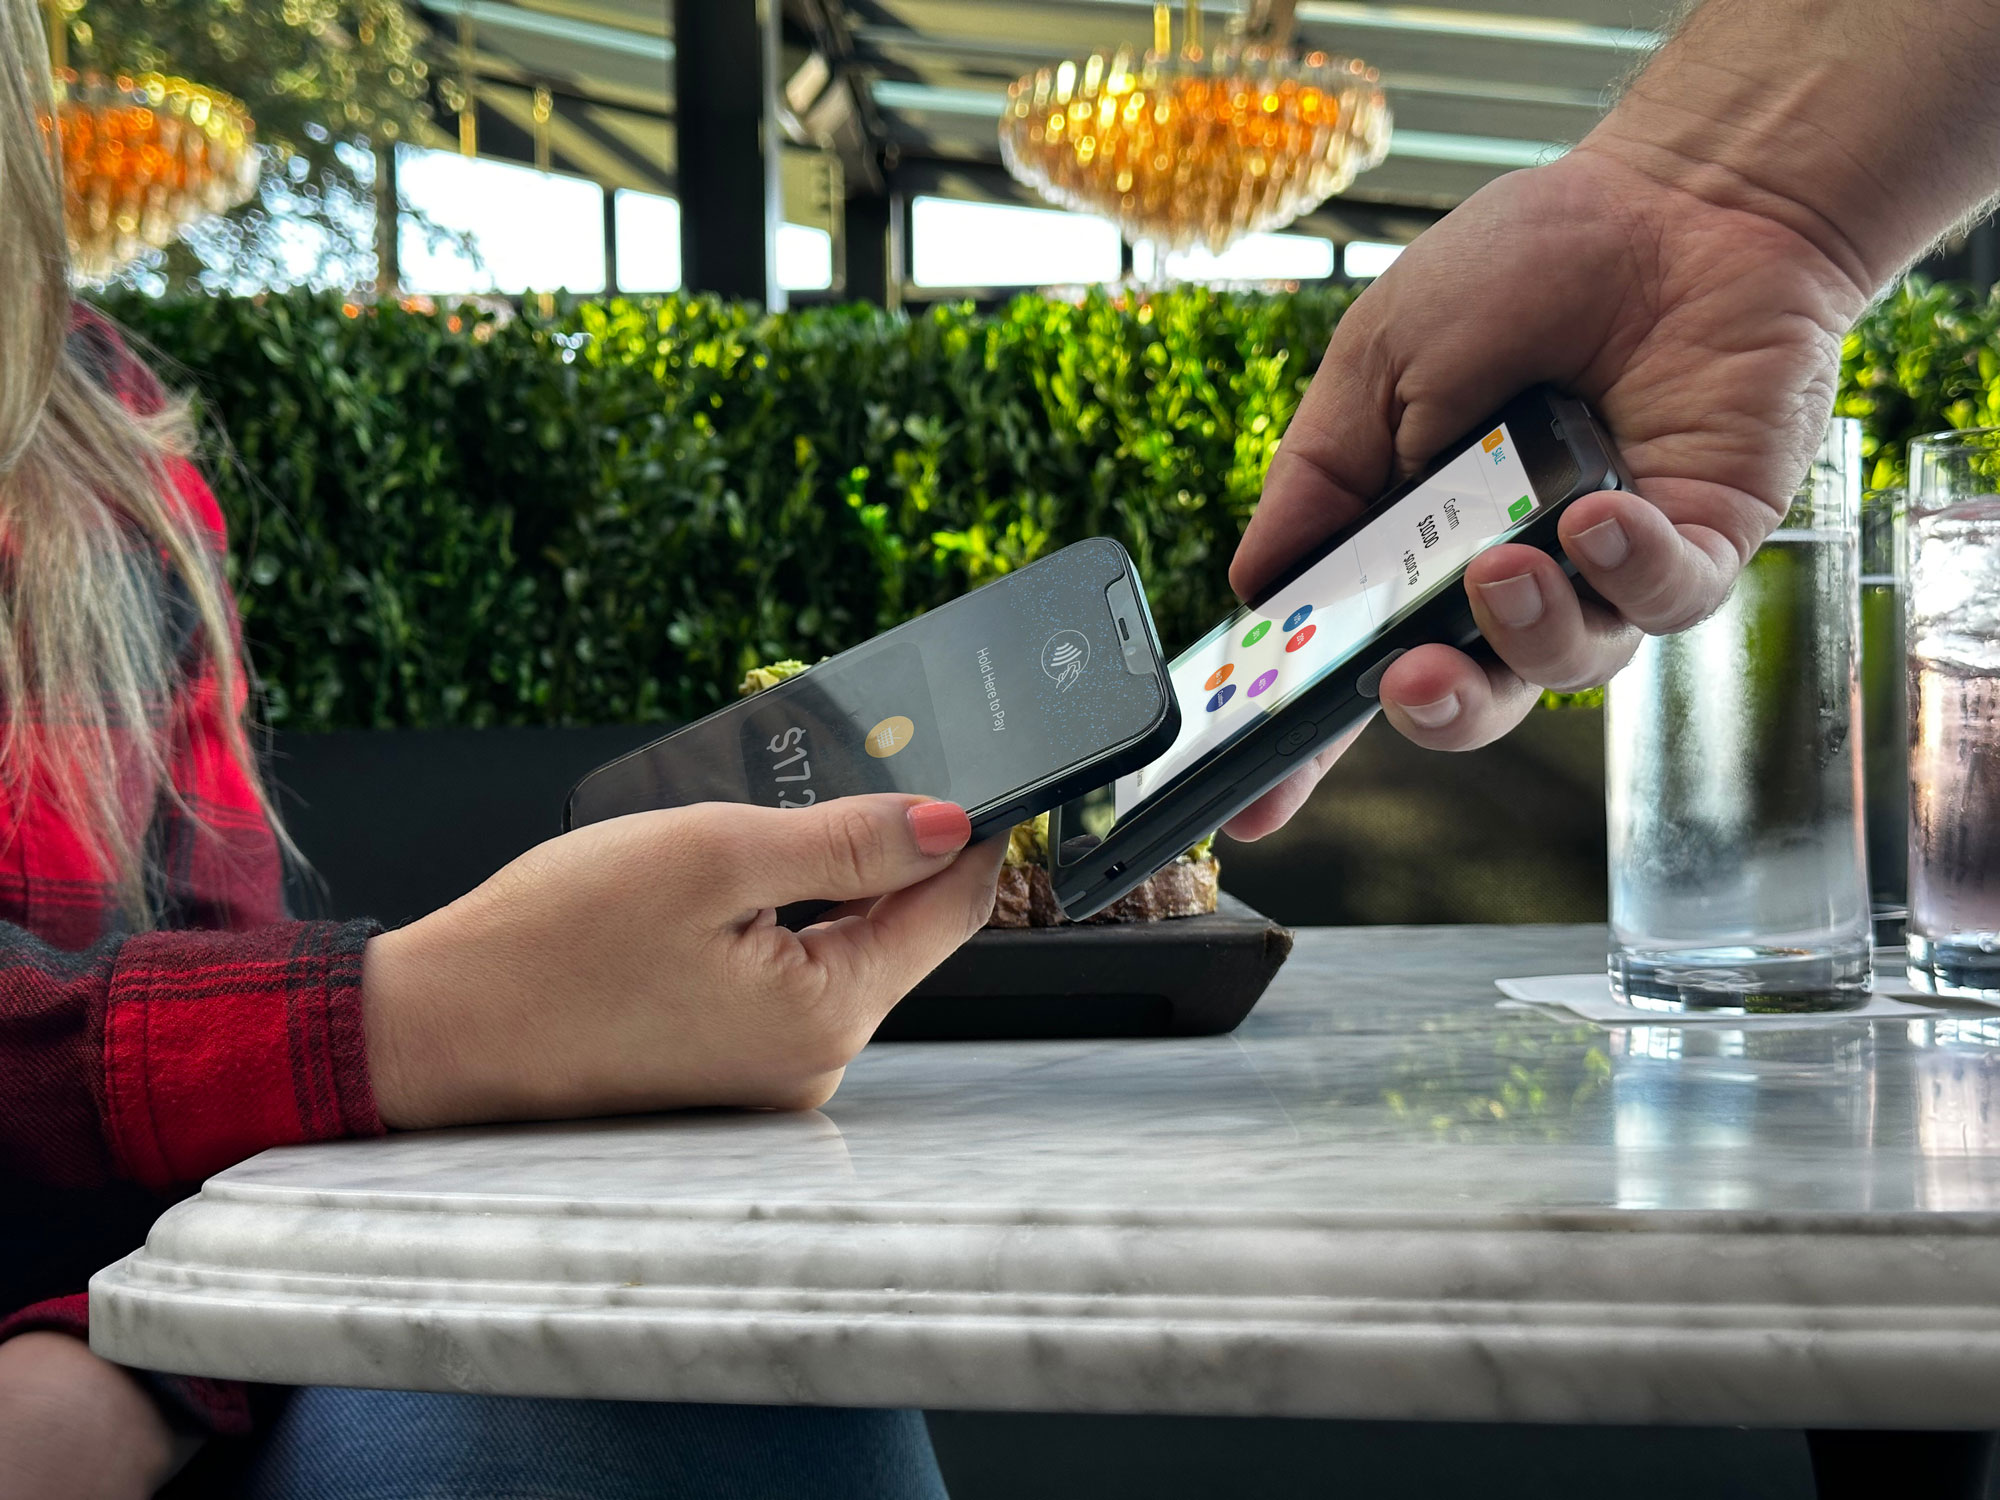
{"type": "Point", "coordinates": [1926, 358]}
{"type": "Point", "coordinates": [444, 519]}
{"type": "Point", "coordinates": [605, 517]}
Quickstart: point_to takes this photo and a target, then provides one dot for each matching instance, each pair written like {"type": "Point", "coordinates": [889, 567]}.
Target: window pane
{"type": "Point", "coordinates": [805, 258]}
{"type": "Point", "coordinates": [649, 247]}
{"type": "Point", "coordinates": [1366, 258]}
{"type": "Point", "coordinates": [1255, 257]}
{"type": "Point", "coordinates": [535, 231]}
{"type": "Point", "coordinates": [993, 244]}
{"type": "Point", "coordinates": [648, 228]}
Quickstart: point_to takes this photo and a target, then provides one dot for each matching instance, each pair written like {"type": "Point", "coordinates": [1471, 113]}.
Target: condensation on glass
{"type": "Point", "coordinates": [1952, 633]}
{"type": "Point", "coordinates": [1733, 780]}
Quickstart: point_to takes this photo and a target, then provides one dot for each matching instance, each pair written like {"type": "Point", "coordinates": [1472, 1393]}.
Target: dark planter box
{"type": "Point", "coordinates": [398, 822]}
{"type": "Point", "coordinates": [1510, 833]}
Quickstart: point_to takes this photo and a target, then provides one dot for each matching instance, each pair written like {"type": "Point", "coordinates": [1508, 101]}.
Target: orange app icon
{"type": "Point", "coordinates": [886, 738]}
{"type": "Point", "coordinates": [1493, 439]}
{"type": "Point", "coordinates": [1221, 676]}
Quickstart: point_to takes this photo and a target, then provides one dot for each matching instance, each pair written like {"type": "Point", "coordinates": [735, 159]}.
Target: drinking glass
{"type": "Point", "coordinates": [1952, 627]}
{"type": "Point", "coordinates": [1733, 785]}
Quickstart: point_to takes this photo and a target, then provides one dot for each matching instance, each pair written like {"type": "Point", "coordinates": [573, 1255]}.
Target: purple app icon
{"type": "Point", "coordinates": [1297, 618]}
{"type": "Point", "coordinates": [1227, 692]}
{"type": "Point", "coordinates": [1261, 683]}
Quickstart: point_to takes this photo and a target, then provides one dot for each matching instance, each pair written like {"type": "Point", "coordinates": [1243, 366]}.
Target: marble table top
{"type": "Point", "coordinates": [1382, 1197]}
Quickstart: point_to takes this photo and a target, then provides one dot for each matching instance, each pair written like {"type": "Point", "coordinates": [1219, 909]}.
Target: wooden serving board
{"type": "Point", "coordinates": [1190, 976]}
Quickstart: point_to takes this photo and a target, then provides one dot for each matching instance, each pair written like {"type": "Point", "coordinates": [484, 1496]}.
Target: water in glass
{"type": "Point", "coordinates": [1738, 865]}
{"type": "Point", "coordinates": [1736, 858]}
{"type": "Point", "coordinates": [1953, 627]}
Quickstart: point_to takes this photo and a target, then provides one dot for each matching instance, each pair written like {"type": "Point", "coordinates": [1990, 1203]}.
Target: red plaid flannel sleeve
{"type": "Point", "coordinates": [218, 1045]}
{"type": "Point", "coordinates": [164, 1057]}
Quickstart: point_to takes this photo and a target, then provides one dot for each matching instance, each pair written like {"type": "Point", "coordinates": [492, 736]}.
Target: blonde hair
{"type": "Point", "coordinates": [89, 526]}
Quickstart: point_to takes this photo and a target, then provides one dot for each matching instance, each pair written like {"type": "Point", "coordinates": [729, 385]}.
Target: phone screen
{"type": "Point", "coordinates": [1256, 661]}
{"type": "Point", "coordinates": [1042, 670]}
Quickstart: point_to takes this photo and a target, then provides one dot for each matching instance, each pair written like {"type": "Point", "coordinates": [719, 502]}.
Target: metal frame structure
{"type": "Point", "coordinates": [835, 113]}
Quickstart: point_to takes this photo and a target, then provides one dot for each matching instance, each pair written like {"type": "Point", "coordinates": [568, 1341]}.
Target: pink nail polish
{"type": "Point", "coordinates": [940, 827]}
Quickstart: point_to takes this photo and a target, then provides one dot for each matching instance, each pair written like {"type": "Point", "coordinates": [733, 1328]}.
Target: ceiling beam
{"type": "Point", "coordinates": [524, 22]}
{"type": "Point", "coordinates": [1424, 145]}
{"type": "Point", "coordinates": [491, 68]}
{"type": "Point", "coordinates": [1485, 25]}
{"type": "Point", "coordinates": [874, 44]}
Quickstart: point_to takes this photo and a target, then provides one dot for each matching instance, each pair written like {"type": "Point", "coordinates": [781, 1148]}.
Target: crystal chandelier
{"type": "Point", "coordinates": [143, 159]}
{"type": "Point", "coordinates": [1195, 146]}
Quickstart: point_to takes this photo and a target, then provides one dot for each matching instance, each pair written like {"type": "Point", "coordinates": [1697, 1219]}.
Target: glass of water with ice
{"type": "Point", "coordinates": [1952, 631]}
{"type": "Point", "coordinates": [1733, 784]}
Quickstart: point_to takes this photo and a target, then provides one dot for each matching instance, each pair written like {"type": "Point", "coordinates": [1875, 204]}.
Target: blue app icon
{"type": "Point", "coordinates": [1227, 692]}
{"type": "Point", "coordinates": [1297, 618]}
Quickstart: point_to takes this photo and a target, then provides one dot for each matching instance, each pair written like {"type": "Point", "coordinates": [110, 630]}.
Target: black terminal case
{"type": "Point", "coordinates": [697, 764]}
{"type": "Point", "coordinates": [1567, 454]}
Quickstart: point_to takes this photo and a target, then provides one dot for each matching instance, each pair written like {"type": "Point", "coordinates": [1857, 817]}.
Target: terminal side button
{"type": "Point", "coordinates": [1370, 683]}
{"type": "Point", "coordinates": [1297, 738]}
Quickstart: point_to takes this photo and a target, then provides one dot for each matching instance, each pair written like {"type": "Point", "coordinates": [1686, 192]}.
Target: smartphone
{"type": "Point", "coordinates": [1281, 679]}
{"type": "Point", "coordinates": [1024, 692]}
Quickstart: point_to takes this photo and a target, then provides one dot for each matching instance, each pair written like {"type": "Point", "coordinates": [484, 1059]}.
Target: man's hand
{"type": "Point", "coordinates": [1689, 270]}
{"type": "Point", "coordinates": [1708, 340]}
{"type": "Point", "coordinates": [637, 964]}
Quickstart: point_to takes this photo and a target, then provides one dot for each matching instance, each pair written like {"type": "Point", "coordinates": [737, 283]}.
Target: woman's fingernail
{"type": "Point", "coordinates": [1605, 545]}
{"type": "Point", "coordinates": [940, 827]}
{"type": "Point", "coordinates": [1433, 715]}
{"type": "Point", "coordinates": [1515, 601]}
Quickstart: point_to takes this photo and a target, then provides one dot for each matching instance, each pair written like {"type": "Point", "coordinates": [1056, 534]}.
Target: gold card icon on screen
{"type": "Point", "coordinates": [889, 736]}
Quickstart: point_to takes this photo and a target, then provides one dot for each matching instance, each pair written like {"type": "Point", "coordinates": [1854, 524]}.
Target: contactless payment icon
{"type": "Point", "coordinates": [1301, 638]}
{"type": "Point", "coordinates": [1221, 675]}
{"type": "Point", "coordinates": [1257, 632]}
{"type": "Point", "coordinates": [1261, 683]}
{"type": "Point", "coordinates": [889, 736]}
{"type": "Point", "coordinates": [1298, 617]}
{"type": "Point", "coordinates": [1223, 697]}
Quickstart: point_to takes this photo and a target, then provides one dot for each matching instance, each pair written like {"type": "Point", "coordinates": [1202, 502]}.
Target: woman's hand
{"type": "Point", "coordinates": [76, 1427]}
{"type": "Point", "coordinates": [637, 964]}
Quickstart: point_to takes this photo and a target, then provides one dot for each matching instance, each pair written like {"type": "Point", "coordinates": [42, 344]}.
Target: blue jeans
{"type": "Point", "coordinates": [398, 1445]}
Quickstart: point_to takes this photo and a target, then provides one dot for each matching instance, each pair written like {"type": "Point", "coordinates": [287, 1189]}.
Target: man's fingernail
{"type": "Point", "coordinates": [1515, 601]}
{"type": "Point", "coordinates": [1605, 545]}
{"type": "Point", "coordinates": [1434, 715]}
{"type": "Point", "coordinates": [940, 827]}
